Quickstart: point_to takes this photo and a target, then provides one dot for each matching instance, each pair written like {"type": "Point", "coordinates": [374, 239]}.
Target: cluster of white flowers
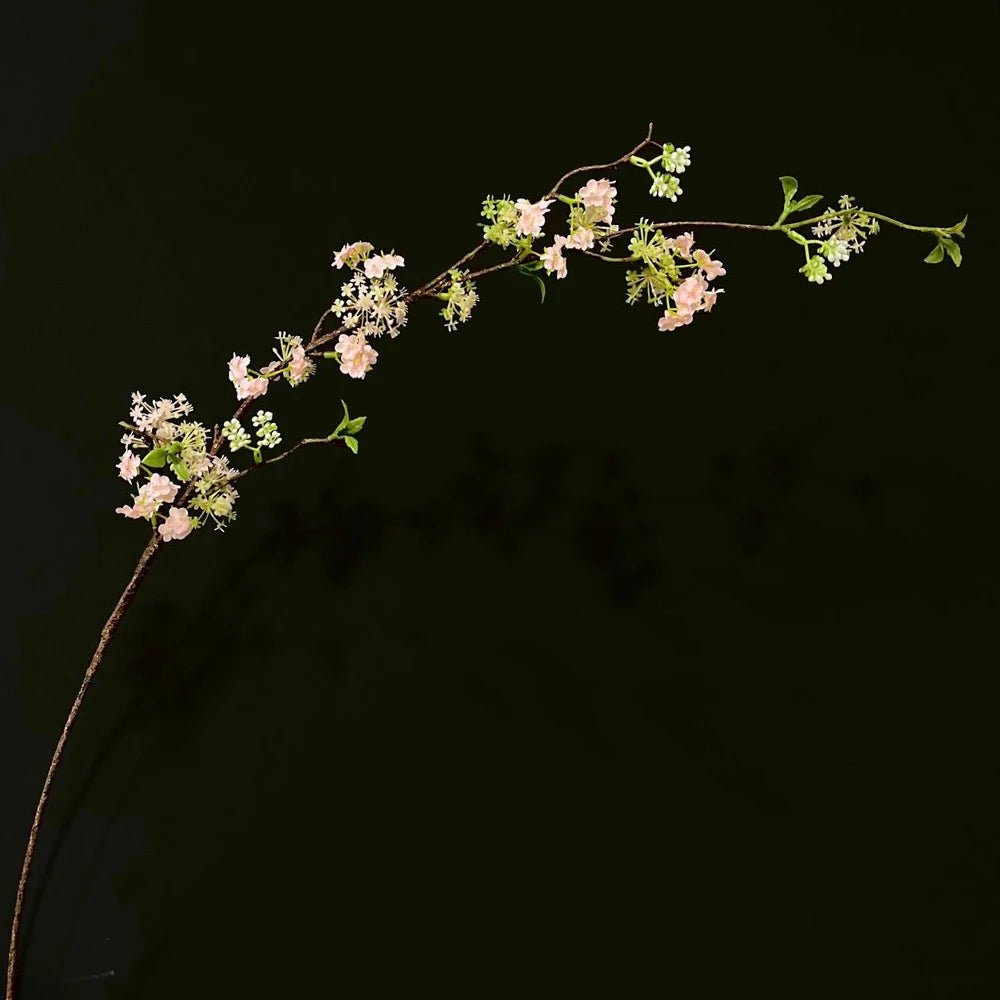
{"type": "Point", "coordinates": [845, 233]}
{"type": "Point", "coordinates": [157, 419]}
{"type": "Point", "coordinates": [673, 160]}
{"type": "Point", "coordinates": [371, 302]}
{"type": "Point", "coordinates": [267, 430]}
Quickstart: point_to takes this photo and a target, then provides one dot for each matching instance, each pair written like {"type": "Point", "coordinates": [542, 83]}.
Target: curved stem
{"type": "Point", "coordinates": [107, 633]}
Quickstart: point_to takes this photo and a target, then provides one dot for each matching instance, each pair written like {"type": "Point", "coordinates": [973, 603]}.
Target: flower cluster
{"type": "Point", "coordinates": [842, 234]}
{"type": "Point", "coordinates": [371, 304]}
{"type": "Point", "coordinates": [248, 386]}
{"type": "Point", "coordinates": [267, 429]}
{"type": "Point", "coordinates": [158, 419]}
{"type": "Point", "coordinates": [290, 361]}
{"type": "Point", "coordinates": [503, 221]}
{"type": "Point", "coordinates": [590, 215]}
{"type": "Point", "coordinates": [183, 446]}
{"type": "Point", "coordinates": [355, 354]}
{"type": "Point", "coordinates": [662, 275]}
{"type": "Point", "coordinates": [674, 161]}
{"type": "Point", "coordinates": [460, 298]}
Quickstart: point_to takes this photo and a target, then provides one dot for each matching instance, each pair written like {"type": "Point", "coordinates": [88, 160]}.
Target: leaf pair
{"type": "Point", "coordinates": [349, 426]}
{"type": "Point", "coordinates": [946, 245]}
{"type": "Point", "coordinates": [789, 185]}
{"type": "Point", "coordinates": [158, 457]}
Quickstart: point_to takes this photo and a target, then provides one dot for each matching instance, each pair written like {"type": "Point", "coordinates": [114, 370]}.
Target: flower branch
{"type": "Point", "coordinates": [176, 461]}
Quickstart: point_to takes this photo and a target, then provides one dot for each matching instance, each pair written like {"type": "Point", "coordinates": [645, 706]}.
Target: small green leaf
{"type": "Point", "coordinates": [789, 185]}
{"type": "Point", "coordinates": [797, 237]}
{"type": "Point", "coordinates": [959, 230]}
{"type": "Point", "coordinates": [528, 269]}
{"type": "Point", "coordinates": [353, 426]}
{"type": "Point", "coordinates": [803, 203]}
{"type": "Point", "coordinates": [180, 470]}
{"type": "Point", "coordinates": [156, 458]}
{"type": "Point", "coordinates": [952, 250]}
{"type": "Point", "coordinates": [351, 443]}
{"type": "Point", "coordinates": [343, 423]}
{"type": "Point", "coordinates": [173, 448]}
{"type": "Point", "coordinates": [935, 256]}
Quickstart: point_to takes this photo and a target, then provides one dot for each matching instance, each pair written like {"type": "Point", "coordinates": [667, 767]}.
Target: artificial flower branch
{"type": "Point", "coordinates": [667, 272]}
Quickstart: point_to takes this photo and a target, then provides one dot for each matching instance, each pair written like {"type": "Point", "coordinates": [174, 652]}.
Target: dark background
{"type": "Point", "coordinates": [618, 662]}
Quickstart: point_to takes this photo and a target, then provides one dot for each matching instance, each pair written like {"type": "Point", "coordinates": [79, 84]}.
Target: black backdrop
{"type": "Point", "coordinates": [618, 661]}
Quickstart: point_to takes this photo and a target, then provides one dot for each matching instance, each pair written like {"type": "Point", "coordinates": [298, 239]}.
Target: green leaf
{"type": "Point", "coordinates": [935, 256]}
{"type": "Point", "coordinates": [156, 458]}
{"type": "Point", "coordinates": [959, 230]}
{"type": "Point", "coordinates": [797, 237]}
{"type": "Point", "coordinates": [353, 426]}
{"type": "Point", "coordinates": [351, 443]}
{"type": "Point", "coordinates": [180, 470]}
{"type": "Point", "coordinates": [527, 269]}
{"type": "Point", "coordinates": [951, 248]}
{"type": "Point", "coordinates": [803, 203]}
{"type": "Point", "coordinates": [789, 185]}
{"type": "Point", "coordinates": [174, 448]}
{"type": "Point", "coordinates": [343, 423]}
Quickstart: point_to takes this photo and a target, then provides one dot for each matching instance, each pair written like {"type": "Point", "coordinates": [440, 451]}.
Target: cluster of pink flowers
{"type": "Point", "coordinates": [597, 199]}
{"type": "Point", "coordinates": [693, 294]}
{"type": "Point", "coordinates": [599, 195]}
{"type": "Point", "coordinates": [552, 257]}
{"type": "Point", "coordinates": [356, 354]}
{"type": "Point", "coordinates": [582, 239]}
{"type": "Point", "coordinates": [299, 366]}
{"type": "Point", "coordinates": [532, 216]}
{"type": "Point", "coordinates": [376, 266]}
{"type": "Point", "coordinates": [246, 386]}
{"type": "Point", "coordinates": [176, 525]}
{"type": "Point", "coordinates": [158, 490]}
{"type": "Point", "coordinates": [128, 466]}
{"type": "Point", "coordinates": [146, 503]}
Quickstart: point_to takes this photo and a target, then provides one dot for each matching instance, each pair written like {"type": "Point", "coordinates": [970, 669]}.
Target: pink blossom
{"type": "Point", "coordinates": [376, 266]}
{"type": "Point", "coordinates": [582, 239]}
{"type": "Point", "coordinates": [177, 524]}
{"type": "Point", "coordinates": [251, 388]}
{"type": "Point", "coordinates": [356, 356]}
{"type": "Point", "coordinates": [709, 298]}
{"type": "Point", "coordinates": [128, 466]}
{"type": "Point", "coordinates": [238, 367]}
{"type": "Point", "coordinates": [349, 250]}
{"type": "Point", "coordinates": [599, 195]}
{"type": "Point", "coordinates": [553, 259]}
{"type": "Point", "coordinates": [532, 216]}
{"type": "Point", "coordinates": [689, 292]}
{"type": "Point", "coordinates": [682, 244]}
{"type": "Point", "coordinates": [159, 489]}
{"type": "Point", "coordinates": [298, 365]}
{"type": "Point", "coordinates": [139, 510]}
{"type": "Point", "coordinates": [670, 321]}
{"type": "Point", "coordinates": [712, 268]}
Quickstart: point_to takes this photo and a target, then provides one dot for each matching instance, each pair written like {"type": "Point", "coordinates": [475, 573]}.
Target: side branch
{"type": "Point", "coordinates": [336, 442]}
